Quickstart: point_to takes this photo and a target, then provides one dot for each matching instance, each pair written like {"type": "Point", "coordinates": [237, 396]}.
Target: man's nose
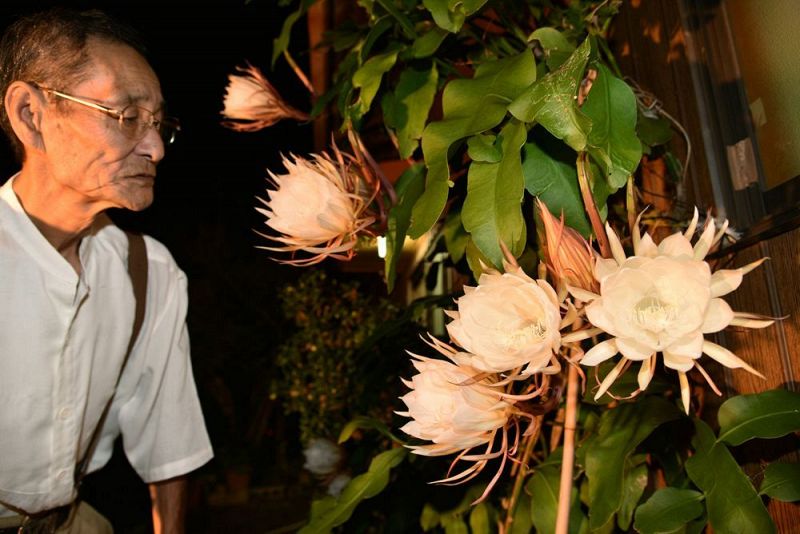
{"type": "Point", "coordinates": [151, 145]}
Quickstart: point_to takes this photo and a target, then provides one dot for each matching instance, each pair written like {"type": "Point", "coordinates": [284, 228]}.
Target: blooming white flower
{"type": "Point", "coordinates": [322, 456]}
{"type": "Point", "coordinates": [508, 321]}
{"type": "Point", "coordinates": [319, 206]}
{"type": "Point", "coordinates": [252, 103]}
{"type": "Point", "coordinates": [450, 408]}
{"type": "Point", "coordinates": [663, 299]}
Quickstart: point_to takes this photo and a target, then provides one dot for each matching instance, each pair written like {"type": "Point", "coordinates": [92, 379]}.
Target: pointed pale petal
{"type": "Point", "coordinates": [609, 379]}
{"type": "Point", "coordinates": [600, 353]}
{"type": "Point", "coordinates": [727, 358]}
{"type": "Point", "coordinates": [679, 362]}
{"type": "Point", "coordinates": [692, 225]}
{"type": "Point", "coordinates": [724, 281]}
{"type": "Point", "coordinates": [604, 267]}
{"type": "Point", "coordinates": [647, 247]}
{"type": "Point", "coordinates": [582, 294]}
{"type": "Point", "coordinates": [636, 235]}
{"type": "Point", "coordinates": [633, 349]}
{"type": "Point", "coordinates": [684, 391]}
{"type": "Point", "coordinates": [646, 372]}
{"type": "Point", "coordinates": [688, 346]}
{"type": "Point", "coordinates": [616, 246]}
{"type": "Point", "coordinates": [720, 232]}
{"type": "Point", "coordinates": [675, 245]}
{"type": "Point", "coordinates": [580, 335]}
{"type": "Point", "coordinates": [750, 266]}
{"type": "Point", "coordinates": [703, 244]}
{"type": "Point", "coordinates": [751, 320]}
{"type": "Point", "coordinates": [718, 316]}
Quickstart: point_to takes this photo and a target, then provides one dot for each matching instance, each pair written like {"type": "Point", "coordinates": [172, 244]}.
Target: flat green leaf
{"type": "Point", "coordinates": [402, 20]}
{"type": "Point", "coordinates": [652, 129]}
{"type": "Point", "coordinates": [366, 423]}
{"type": "Point", "coordinates": [633, 486]}
{"type": "Point", "coordinates": [621, 430]}
{"type": "Point", "coordinates": [668, 509]}
{"type": "Point", "coordinates": [406, 109]}
{"type": "Point", "coordinates": [469, 106]}
{"type": "Point", "coordinates": [782, 482]}
{"type": "Point", "coordinates": [455, 237]}
{"type": "Point", "coordinates": [479, 519]}
{"type": "Point", "coordinates": [475, 258]}
{"type": "Point", "coordinates": [732, 503]}
{"type": "Point", "coordinates": [522, 523]}
{"type": "Point", "coordinates": [613, 143]}
{"type": "Point", "coordinates": [550, 174]}
{"type": "Point", "coordinates": [368, 80]}
{"type": "Point", "coordinates": [408, 188]}
{"type": "Point", "coordinates": [429, 519]}
{"type": "Point", "coordinates": [492, 211]}
{"type": "Point", "coordinates": [359, 488]}
{"type": "Point", "coordinates": [551, 101]}
{"type": "Point", "coordinates": [543, 488]}
{"type": "Point", "coordinates": [451, 14]}
{"type": "Point", "coordinates": [376, 30]}
{"type": "Point", "coordinates": [484, 148]}
{"type": "Point", "coordinates": [770, 414]}
{"type": "Point", "coordinates": [454, 525]}
{"type": "Point", "coordinates": [281, 43]}
{"type": "Point", "coordinates": [428, 43]}
{"type": "Point", "coordinates": [556, 46]}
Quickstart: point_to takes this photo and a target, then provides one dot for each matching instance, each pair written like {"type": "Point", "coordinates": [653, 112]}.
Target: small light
{"type": "Point", "coordinates": [381, 246]}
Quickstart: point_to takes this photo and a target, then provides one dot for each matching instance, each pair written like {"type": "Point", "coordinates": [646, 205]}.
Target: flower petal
{"type": "Point", "coordinates": [600, 353]}
{"type": "Point", "coordinates": [689, 233]}
{"type": "Point", "coordinates": [703, 244]}
{"type": "Point", "coordinates": [684, 390]}
{"type": "Point", "coordinates": [609, 379]}
{"type": "Point", "coordinates": [634, 349]}
{"type": "Point", "coordinates": [727, 358]}
{"type": "Point", "coordinates": [582, 294]}
{"type": "Point", "coordinates": [675, 245]}
{"type": "Point", "coordinates": [679, 362]}
{"type": "Point", "coordinates": [751, 320]}
{"type": "Point", "coordinates": [616, 246]}
{"type": "Point", "coordinates": [718, 316]}
{"type": "Point", "coordinates": [724, 281]}
{"type": "Point", "coordinates": [646, 372]}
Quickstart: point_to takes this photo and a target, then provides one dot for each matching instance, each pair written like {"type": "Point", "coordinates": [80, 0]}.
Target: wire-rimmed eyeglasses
{"type": "Point", "coordinates": [133, 120]}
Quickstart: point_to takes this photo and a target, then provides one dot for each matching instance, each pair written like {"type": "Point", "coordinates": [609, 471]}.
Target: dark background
{"type": "Point", "coordinates": [203, 212]}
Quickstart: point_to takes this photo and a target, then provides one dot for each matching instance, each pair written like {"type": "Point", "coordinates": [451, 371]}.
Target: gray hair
{"type": "Point", "coordinates": [50, 48]}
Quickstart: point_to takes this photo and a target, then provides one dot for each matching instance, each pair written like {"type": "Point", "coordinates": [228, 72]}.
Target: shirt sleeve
{"type": "Point", "coordinates": [161, 422]}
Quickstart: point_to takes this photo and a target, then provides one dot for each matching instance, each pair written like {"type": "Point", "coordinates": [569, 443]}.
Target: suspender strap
{"type": "Point", "coordinates": [137, 270]}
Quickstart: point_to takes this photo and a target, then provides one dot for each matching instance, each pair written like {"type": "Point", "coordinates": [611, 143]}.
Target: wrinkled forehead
{"type": "Point", "coordinates": [118, 74]}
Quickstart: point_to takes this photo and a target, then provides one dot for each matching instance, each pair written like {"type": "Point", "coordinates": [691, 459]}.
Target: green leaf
{"type": "Point", "coordinates": [377, 29]}
{"type": "Point", "coordinates": [632, 489]}
{"type": "Point", "coordinates": [557, 48]}
{"type": "Point", "coordinates": [551, 101]}
{"type": "Point", "coordinates": [613, 143]}
{"type": "Point", "coordinates": [770, 414]}
{"type": "Point", "coordinates": [402, 20]}
{"type": "Point", "coordinates": [475, 258]}
{"type": "Point", "coordinates": [479, 519]}
{"type": "Point", "coordinates": [469, 106]}
{"type": "Point", "coordinates": [368, 79]}
{"type": "Point", "coordinates": [361, 487]}
{"type": "Point", "coordinates": [732, 503]}
{"type": "Point", "coordinates": [429, 518]}
{"type": "Point", "coordinates": [668, 509]}
{"type": "Point", "coordinates": [548, 167]}
{"type": "Point", "coordinates": [281, 43]}
{"type": "Point", "coordinates": [484, 148]}
{"type": "Point", "coordinates": [454, 525]}
{"type": "Point", "coordinates": [652, 129]}
{"type": "Point", "coordinates": [451, 14]}
{"type": "Point", "coordinates": [455, 237]}
{"type": "Point", "coordinates": [408, 188]}
{"type": "Point", "coordinates": [492, 211]}
{"type": "Point", "coordinates": [367, 423]}
{"type": "Point", "coordinates": [543, 488]}
{"type": "Point", "coordinates": [782, 482]}
{"type": "Point", "coordinates": [428, 43]}
{"type": "Point", "coordinates": [522, 523]}
{"type": "Point", "coordinates": [406, 109]}
{"type": "Point", "coordinates": [621, 430]}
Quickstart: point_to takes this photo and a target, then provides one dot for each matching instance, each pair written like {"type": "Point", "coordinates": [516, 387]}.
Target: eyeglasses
{"type": "Point", "coordinates": [134, 121]}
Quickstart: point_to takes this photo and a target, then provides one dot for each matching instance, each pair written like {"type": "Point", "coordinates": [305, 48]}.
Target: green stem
{"type": "Point", "coordinates": [590, 206]}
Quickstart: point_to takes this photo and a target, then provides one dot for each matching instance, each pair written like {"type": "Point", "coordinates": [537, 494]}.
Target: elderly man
{"type": "Point", "coordinates": [84, 111]}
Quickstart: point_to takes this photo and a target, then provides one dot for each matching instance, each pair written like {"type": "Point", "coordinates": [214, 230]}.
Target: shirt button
{"type": "Point", "coordinates": [64, 413]}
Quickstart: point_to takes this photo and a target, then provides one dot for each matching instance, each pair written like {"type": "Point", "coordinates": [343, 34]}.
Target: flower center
{"type": "Point", "coordinates": [514, 338]}
{"type": "Point", "coordinates": [653, 314]}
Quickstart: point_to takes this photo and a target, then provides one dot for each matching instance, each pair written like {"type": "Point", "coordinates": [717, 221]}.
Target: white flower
{"type": "Point", "coordinates": [663, 299]}
{"type": "Point", "coordinates": [322, 456]}
{"type": "Point", "coordinates": [338, 484]}
{"type": "Point", "coordinates": [508, 321]}
{"type": "Point", "coordinates": [253, 103]}
{"type": "Point", "coordinates": [319, 206]}
{"type": "Point", "coordinates": [451, 409]}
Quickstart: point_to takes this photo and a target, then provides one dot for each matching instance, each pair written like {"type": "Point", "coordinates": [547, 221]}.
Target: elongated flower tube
{"type": "Point", "coordinates": [319, 206]}
{"type": "Point", "coordinates": [508, 321]}
{"type": "Point", "coordinates": [663, 299]}
{"type": "Point", "coordinates": [251, 103]}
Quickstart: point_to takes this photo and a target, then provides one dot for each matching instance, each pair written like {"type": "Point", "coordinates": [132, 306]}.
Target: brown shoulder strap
{"type": "Point", "coordinates": [137, 270]}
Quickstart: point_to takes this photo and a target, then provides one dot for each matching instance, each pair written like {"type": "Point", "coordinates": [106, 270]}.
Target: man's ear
{"type": "Point", "coordinates": [24, 104]}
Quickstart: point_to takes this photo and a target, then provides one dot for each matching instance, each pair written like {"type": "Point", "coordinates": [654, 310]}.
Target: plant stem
{"type": "Point", "coordinates": [590, 206]}
{"type": "Point", "coordinates": [630, 204]}
{"type": "Point", "coordinates": [530, 441]}
{"type": "Point", "coordinates": [568, 457]}
{"type": "Point", "coordinates": [300, 74]}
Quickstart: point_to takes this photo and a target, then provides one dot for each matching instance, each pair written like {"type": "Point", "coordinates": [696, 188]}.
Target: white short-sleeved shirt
{"type": "Point", "coordinates": [63, 338]}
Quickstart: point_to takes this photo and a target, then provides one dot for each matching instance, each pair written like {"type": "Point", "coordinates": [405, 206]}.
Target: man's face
{"type": "Point", "coordinates": [88, 154]}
